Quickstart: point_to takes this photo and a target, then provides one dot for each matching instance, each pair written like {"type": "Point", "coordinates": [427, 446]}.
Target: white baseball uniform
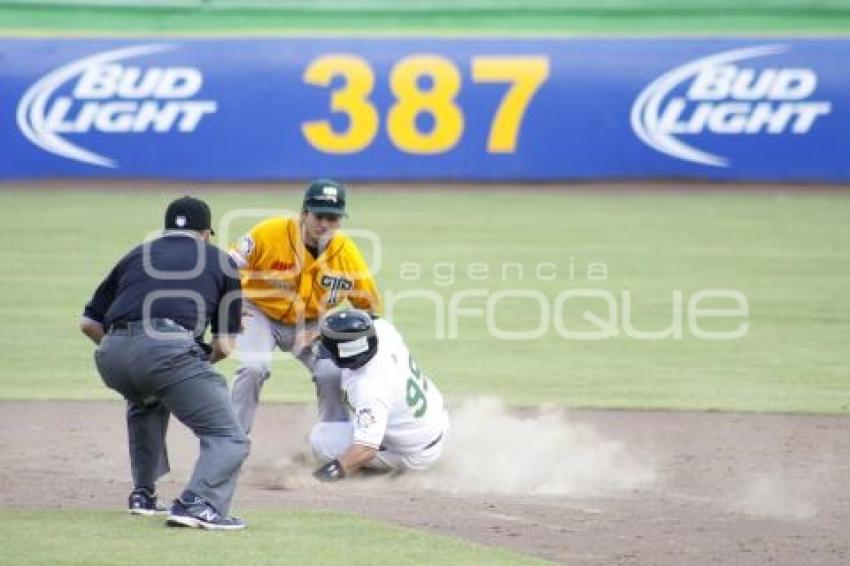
{"type": "Point", "coordinates": [393, 407]}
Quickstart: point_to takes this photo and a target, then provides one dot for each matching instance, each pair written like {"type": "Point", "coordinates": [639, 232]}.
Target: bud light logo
{"type": "Point", "coordinates": [104, 93]}
{"type": "Point", "coordinates": [720, 95]}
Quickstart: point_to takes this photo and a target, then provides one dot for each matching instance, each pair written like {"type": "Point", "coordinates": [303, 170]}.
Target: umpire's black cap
{"type": "Point", "coordinates": [188, 213]}
{"type": "Point", "coordinates": [325, 196]}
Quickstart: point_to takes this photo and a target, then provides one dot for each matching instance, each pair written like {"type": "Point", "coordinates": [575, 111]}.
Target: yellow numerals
{"type": "Point", "coordinates": [352, 99]}
{"type": "Point", "coordinates": [438, 101]}
{"type": "Point", "coordinates": [525, 75]}
{"type": "Point", "coordinates": [424, 118]}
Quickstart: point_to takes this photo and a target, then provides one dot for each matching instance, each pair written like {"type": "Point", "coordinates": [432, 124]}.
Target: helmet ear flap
{"type": "Point", "coordinates": [343, 358]}
{"type": "Point", "coordinates": [329, 348]}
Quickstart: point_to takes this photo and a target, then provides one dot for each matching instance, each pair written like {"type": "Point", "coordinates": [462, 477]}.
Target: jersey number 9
{"type": "Point", "coordinates": [417, 385]}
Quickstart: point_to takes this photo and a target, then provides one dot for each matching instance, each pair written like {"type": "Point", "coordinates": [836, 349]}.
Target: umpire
{"type": "Point", "coordinates": [148, 317]}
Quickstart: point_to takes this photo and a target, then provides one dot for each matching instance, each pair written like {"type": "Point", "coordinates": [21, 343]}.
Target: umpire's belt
{"type": "Point", "coordinates": [140, 326]}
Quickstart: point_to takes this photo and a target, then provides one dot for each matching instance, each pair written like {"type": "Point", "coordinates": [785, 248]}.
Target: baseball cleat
{"type": "Point", "coordinates": [197, 513]}
{"type": "Point", "coordinates": [143, 502]}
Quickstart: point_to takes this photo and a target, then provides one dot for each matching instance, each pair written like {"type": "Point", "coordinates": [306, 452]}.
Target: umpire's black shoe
{"type": "Point", "coordinates": [143, 502]}
{"type": "Point", "coordinates": [191, 510]}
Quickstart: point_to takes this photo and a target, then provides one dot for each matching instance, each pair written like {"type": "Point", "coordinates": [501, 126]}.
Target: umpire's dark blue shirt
{"type": "Point", "coordinates": [148, 283]}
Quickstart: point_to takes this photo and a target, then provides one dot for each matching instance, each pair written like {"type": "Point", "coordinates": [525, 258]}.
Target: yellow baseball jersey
{"type": "Point", "coordinates": [286, 282]}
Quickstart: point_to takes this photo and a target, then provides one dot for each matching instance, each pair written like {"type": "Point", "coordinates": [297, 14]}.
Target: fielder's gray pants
{"type": "Point", "coordinates": [163, 371]}
{"type": "Point", "coordinates": [255, 346]}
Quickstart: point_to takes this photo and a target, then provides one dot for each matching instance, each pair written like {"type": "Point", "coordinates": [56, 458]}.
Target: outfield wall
{"type": "Point", "coordinates": [417, 109]}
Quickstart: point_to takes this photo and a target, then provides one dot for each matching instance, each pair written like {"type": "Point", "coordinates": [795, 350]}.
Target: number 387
{"type": "Point", "coordinates": [524, 74]}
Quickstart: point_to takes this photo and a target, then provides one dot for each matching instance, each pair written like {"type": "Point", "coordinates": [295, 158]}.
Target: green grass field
{"type": "Point", "coordinates": [297, 537]}
{"type": "Point", "coordinates": [787, 253]}
{"type": "Point", "coordinates": [469, 17]}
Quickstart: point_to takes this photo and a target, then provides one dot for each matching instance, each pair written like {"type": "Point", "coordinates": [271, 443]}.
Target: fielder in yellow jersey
{"type": "Point", "coordinates": [285, 281]}
{"type": "Point", "coordinates": [294, 270]}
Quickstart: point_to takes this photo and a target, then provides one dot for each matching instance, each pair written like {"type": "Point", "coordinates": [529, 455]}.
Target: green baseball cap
{"type": "Point", "coordinates": [325, 196]}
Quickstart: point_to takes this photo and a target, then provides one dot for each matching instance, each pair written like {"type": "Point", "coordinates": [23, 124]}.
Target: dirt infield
{"type": "Point", "coordinates": [586, 487]}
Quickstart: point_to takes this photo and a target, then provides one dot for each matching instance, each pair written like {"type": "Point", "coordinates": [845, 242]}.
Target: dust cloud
{"type": "Point", "coordinates": [774, 496]}
{"type": "Point", "coordinates": [490, 449]}
{"type": "Point", "coordinates": [493, 449]}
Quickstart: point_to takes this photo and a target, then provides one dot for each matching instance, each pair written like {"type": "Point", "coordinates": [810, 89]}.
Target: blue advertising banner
{"type": "Point", "coordinates": [419, 109]}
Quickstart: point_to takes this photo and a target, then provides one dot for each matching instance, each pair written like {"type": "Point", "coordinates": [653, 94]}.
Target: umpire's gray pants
{"type": "Point", "coordinates": [163, 371]}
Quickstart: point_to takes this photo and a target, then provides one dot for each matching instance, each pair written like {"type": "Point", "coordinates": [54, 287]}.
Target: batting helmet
{"type": "Point", "coordinates": [349, 337]}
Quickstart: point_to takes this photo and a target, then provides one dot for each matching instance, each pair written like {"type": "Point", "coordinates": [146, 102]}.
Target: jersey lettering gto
{"type": "Point", "coordinates": [288, 284]}
{"type": "Point", "coordinates": [393, 404]}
